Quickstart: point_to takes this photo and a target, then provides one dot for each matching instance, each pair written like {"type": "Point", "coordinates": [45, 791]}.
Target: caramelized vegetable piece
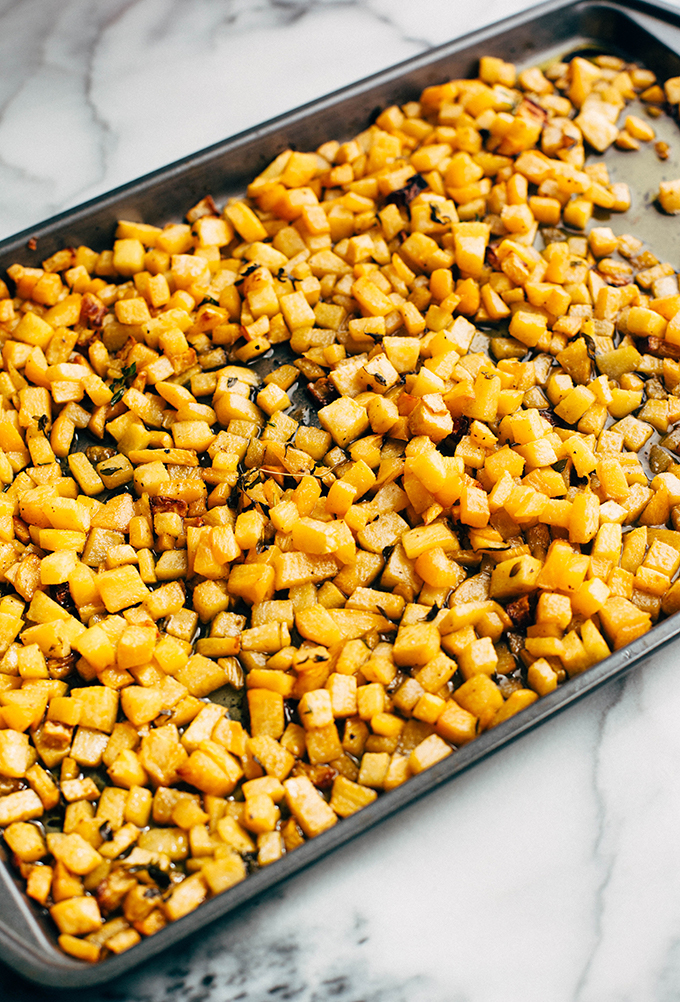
{"type": "Point", "coordinates": [485, 504]}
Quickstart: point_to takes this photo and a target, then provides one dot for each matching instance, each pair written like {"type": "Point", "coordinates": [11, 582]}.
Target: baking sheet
{"type": "Point", "coordinates": [644, 32]}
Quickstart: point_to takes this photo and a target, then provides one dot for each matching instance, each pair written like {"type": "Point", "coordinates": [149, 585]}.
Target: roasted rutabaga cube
{"type": "Point", "coordinates": [485, 503]}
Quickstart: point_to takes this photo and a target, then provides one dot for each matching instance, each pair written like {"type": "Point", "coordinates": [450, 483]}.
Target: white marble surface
{"type": "Point", "coordinates": [551, 872]}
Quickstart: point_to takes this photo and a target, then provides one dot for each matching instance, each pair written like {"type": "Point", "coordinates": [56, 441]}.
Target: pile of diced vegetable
{"type": "Point", "coordinates": [488, 505]}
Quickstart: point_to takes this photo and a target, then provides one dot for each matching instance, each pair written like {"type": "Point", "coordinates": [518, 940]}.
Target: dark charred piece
{"type": "Point", "coordinates": [520, 612]}
{"type": "Point", "coordinates": [322, 391]}
{"type": "Point", "coordinates": [163, 505]}
{"type": "Point", "coordinates": [461, 426]}
{"type": "Point", "coordinates": [658, 347]}
{"type": "Point", "coordinates": [404, 196]}
{"type": "Point", "coordinates": [92, 311]}
{"type": "Point", "coordinates": [321, 776]}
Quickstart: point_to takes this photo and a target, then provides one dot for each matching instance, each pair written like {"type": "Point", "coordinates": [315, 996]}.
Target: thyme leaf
{"type": "Point", "coordinates": [120, 385]}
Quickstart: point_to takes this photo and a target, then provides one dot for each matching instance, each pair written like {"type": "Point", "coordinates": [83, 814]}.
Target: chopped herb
{"type": "Point", "coordinates": [120, 385]}
{"type": "Point", "coordinates": [590, 347]}
{"type": "Point", "coordinates": [249, 270]}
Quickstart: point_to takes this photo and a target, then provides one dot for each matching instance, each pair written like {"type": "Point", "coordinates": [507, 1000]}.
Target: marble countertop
{"type": "Point", "coordinates": [550, 872]}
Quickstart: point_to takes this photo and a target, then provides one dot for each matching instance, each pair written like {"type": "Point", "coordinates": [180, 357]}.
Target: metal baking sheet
{"type": "Point", "coordinates": [647, 33]}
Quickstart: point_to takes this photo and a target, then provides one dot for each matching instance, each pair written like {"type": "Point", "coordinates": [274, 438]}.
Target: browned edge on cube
{"type": "Point", "coordinates": [646, 32]}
